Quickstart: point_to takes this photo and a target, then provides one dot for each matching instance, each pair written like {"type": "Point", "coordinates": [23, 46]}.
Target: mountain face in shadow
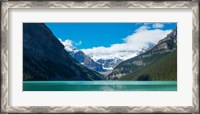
{"type": "Point", "coordinates": [87, 61]}
{"type": "Point", "coordinates": [44, 57]}
{"type": "Point", "coordinates": [157, 63]}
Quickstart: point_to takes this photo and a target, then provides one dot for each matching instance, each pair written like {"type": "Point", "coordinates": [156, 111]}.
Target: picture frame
{"type": "Point", "coordinates": [6, 5]}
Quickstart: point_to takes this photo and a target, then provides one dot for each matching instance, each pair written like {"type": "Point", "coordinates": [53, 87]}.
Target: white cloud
{"type": "Point", "coordinates": [78, 43]}
{"type": "Point", "coordinates": [142, 28]}
{"type": "Point", "coordinates": [132, 44]}
{"type": "Point", "coordinates": [68, 44]}
{"type": "Point", "coordinates": [157, 25]}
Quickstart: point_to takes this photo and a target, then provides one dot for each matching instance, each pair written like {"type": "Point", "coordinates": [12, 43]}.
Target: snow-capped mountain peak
{"type": "Point", "coordinates": [109, 64]}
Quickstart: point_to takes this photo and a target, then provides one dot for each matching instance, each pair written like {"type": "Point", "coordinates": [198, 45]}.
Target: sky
{"type": "Point", "coordinates": [109, 40]}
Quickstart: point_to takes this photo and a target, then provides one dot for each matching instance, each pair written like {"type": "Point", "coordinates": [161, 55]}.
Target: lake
{"type": "Point", "coordinates": [99, 86]}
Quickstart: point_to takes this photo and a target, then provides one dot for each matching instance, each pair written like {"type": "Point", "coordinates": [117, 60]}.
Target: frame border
{"type": "Point", "coordinates": [5, 108]}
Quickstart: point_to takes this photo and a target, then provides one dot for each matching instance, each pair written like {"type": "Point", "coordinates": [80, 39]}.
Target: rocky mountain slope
{"type": "Point", "coordinates": [139, 67]}
{"type": "Point", "coordinates": [87, 61]}
{"type": "Point", "coordinates": [83, 59]}
{"type": "Point", "coordinates": [160, 67]}
{"type": "Point", "coordinates": [44, 57]}
{"type": "Point", "coordinates": [109, 64]}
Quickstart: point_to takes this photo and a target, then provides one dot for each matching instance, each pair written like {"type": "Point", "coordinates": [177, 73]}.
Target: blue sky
{"type": "Point", "coordinates": [89, 35]}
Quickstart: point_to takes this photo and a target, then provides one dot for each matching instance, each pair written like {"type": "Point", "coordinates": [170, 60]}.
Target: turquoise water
{"type": "Point", "coordinates": [99, 86]}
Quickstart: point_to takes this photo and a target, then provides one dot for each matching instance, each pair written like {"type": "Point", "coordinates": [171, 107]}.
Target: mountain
{"type": "Point", "coordinates": [87, 61]}
{"type": "Point", "coordinates": [162, 67]}
{"type": "Point", "coordinates": [82, 58]}
{"type": "Point", "coordinates": [109, 64]}
{"type": "Point", "coordinates": [44, 57]}
{"type": "Point", "coordinates": [159, 62]}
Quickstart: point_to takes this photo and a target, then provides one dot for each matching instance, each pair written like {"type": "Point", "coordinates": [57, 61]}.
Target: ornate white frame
{"type": "Point", "coordinates": [5, 108]}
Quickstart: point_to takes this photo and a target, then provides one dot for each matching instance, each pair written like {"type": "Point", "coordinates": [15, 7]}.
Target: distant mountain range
{"type": "Point", "coordinates": [109, 64]}
{"type": "Point", "coordinates": [83, 59]}
{"type": "Point", "coordinates": [44, 57]}
{"type": "Point", "coordinates": [99, 65]}
{"type": "Point", "coordinates": [87, 61]}
{"type": "Point", "coordinates": [159, 62]}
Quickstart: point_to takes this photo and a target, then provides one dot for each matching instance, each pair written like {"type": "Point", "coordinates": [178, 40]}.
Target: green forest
{"type": "Point", "coordinates": [160, 67]}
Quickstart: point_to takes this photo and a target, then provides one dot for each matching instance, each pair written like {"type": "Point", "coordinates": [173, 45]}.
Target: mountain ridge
{"type": "Point", "coordinates": [44, 57]}
{"type": "Point", "coordinates": [165, 45]}
{"type": "Point", "coordinates": [99, 65]}
{"type": "Point", "coordinates": [87, 61]}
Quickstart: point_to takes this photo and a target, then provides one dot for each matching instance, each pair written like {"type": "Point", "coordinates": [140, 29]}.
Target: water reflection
{"type": "Point", "coordinates": [100, 86]}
